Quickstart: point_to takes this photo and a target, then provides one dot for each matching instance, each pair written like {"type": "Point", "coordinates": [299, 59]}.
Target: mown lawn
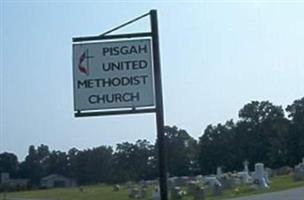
{"type": "Point", "coordinates": [96, 192]}
{"type": "Point", "coordinates": [104, 192]}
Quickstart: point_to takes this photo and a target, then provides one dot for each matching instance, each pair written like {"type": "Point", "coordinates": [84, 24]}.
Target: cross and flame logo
{"type": "Point", "coordinates": [84, 68]}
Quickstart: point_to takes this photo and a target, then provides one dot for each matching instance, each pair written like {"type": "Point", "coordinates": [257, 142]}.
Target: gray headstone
{"type": "Point", "coordinates": [246, 163]}
{"type": "Point", "coordinates": [259, 170]}
{"type": "Point", "coordinates": [134, 193]}
{"type": "Point", "coordinates": [260, 177]}
{"type": "Point", "coordinates": [244, 177]}
{"type": "Point", "coordinates": [211, 181]}
{"type": "Point", "coordinates": [227, 181]}
{"type": "Point", "coordinates": [116, 188]}
{"type": "Point", "coordinates": [218, 171]}
{"type": "Point", "coordinates": [299, 172]}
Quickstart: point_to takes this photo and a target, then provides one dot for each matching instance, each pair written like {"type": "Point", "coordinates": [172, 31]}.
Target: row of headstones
{"type": "Point", "coordinates": [135, 191]}
{"type": "Point", "coordinates": [228, 180]}
{"type": "Point", "coordinates": [215, 183]}
{"type": "Point", "coordinates": [258, 179]}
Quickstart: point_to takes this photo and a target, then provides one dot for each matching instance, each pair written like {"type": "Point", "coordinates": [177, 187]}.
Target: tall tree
{"type": "Point", "coordinates": [296, 132]}
{"type": "Point", "coordinates": [9, 163]}
{"type": "Point", "coordinates": [90, 166]}
{"type": "Point", "coordinates": [133, 161]}
{"type": "Point", "coordinates": [57, 163]}
{"type": "Point", "coordinates": [35, 165]}
{"type": "Point", "coordinates": [267, 128]}
{"type": "Point", "coordinates": [217, 148]}
{"type": "Point", "coordinates": [181, 152]}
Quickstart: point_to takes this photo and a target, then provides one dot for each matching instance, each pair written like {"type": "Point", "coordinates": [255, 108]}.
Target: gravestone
{"type": "Point", "coordinates": [285, 170]}
{"type": "Point", "coordinates": [299, 172]}
{"type": "Point", "coordinates": [199, 178]}
{"type": "Point", "coordinates": [176, 193]}
{"type": "Point", "coordinates": [219, 172]}
{"type": "Point", "coordinates": [244, 177]}
{"type": "Point", "coordinates": [260, 177]}
{"type": "Point", "coordinates": [134, 193]}
{"type": "Point", "coordinates": [246, 168]}
{"type": "Point", "coordinates": [143, 184]}
{"type": "Point", "coordinates": [116, 188]}
{"type": "Point", "coordinates": [227, 181]}
{"type": "Point", "coordinates": [211, 181]}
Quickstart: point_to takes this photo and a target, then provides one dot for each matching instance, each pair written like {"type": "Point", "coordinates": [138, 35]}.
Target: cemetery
{"type": "Point", "coordinates": [222, 185]}
{"type": "Point", "coordinates": [96, 97]}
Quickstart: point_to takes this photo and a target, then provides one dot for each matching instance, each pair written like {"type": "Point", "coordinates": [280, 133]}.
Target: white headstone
{"type": "Point", "coordinates": [218, 171]}
{"type": "Point", "coordinates": [211, 181]}
{"type": "Point", "coordinates": [260, 176]}
{"type": "Point", "coordinates": [259, 170]}
{"type": "Point", "coordinates": [246, 163]}
{"type": "Point", "coordinates": [244, 177]}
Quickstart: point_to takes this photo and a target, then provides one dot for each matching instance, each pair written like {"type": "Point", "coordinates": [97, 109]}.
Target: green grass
{"type": "Point", "coordinates": [104, 192]}
{"type": "Point", "coordinates": [96, 192]}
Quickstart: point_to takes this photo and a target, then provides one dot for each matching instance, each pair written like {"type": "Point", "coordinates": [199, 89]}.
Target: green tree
{"type": "Point", "coordinates": [181, 152]}
{"type": "Point", "coordinates": [90, 166]}
{"type": "Point", "coordinates": [217, 148]}
{"type": "Point", "coordinates": [35, 165]}
{"type": "Point", "coordinates": [296, 131]}
{"type": "Point", "coordinates": [263, 130]}
{"type": "Point", "coordinates": [99, 163]}
{"type": "Point", "coordinates": [9, 163]}
{"type": "Point", "coordinates": [133, 161]}
{"type": "Point", "coordinates": [57, 163]}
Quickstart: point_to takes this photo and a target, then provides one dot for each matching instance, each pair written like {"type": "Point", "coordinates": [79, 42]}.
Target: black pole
{"type": "Point", "coordinates": [159, 109]}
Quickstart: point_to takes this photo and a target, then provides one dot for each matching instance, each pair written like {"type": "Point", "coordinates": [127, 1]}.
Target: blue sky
{"type": "Point", "coordinates": [216, 57]}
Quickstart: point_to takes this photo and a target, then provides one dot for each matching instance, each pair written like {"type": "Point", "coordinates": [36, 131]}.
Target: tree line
{"type": "Point", "coordinates": [264, 133]}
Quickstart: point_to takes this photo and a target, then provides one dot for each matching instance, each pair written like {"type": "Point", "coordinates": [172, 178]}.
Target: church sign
{"type": "Point", "coordinates": [113, 75]}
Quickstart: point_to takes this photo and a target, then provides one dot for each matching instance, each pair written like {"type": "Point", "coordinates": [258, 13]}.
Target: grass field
{"type": "Point", "coordinates": [104, 192]}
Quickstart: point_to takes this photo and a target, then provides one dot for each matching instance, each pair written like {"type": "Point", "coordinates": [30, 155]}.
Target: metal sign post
{"type": "Point", "coordinates": [87, 83]}
{"type": "Point", "coordinates": [159, 108]}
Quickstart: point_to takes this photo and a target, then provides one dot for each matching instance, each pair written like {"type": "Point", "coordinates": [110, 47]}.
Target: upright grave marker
{"type": "Point", "coordinates": [121, 77]}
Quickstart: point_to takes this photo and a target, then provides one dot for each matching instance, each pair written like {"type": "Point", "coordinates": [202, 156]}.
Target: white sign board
{"type": "Point", "coordinates": [111, 75]}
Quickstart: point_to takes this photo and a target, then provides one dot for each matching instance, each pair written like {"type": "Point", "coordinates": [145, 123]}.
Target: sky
{"type": "Point", "coordinates": [216, 56]}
